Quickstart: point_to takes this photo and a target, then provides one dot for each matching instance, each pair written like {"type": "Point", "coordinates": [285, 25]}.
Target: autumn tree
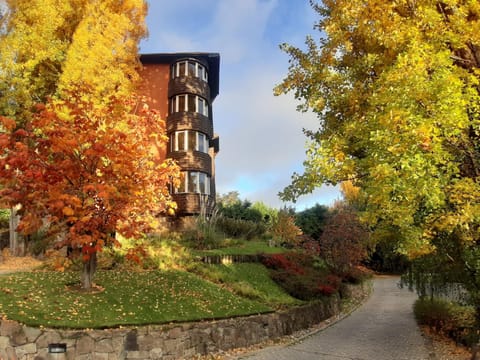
{"type": "Point", "coordinates": [284, 229]}
{"type": "Point", "coordinates": [85, 163]}
{"type": "Point", "coordinates": [344, 241]}
{"type": "Point", "coordinates": [86, 173]}
{"type": "Point", "coordinates": [52, 47]}
{"type": "Point", "coordinates": [395, 85]}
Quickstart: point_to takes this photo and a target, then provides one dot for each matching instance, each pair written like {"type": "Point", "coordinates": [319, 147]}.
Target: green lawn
{"type": "Point", "coordinates": [244, 247]}
{"type": "Point", "coordinates": [129, 298]}
{"type": "Point", "coordinates": [248, 280]}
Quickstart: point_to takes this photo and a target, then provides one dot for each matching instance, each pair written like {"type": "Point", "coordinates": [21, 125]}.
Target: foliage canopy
{"type": "Point", "coordinates": [80, 152]}
{"type": "Point", "coordinates": [395, 85]}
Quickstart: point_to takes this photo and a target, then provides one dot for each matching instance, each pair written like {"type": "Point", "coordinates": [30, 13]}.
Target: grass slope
{"type": "Point", "coordinates": [248, 280]}
{"type": "Point", "coordinates": [238, 247]}
{"type": "Point", "coordinates": [128, 298]}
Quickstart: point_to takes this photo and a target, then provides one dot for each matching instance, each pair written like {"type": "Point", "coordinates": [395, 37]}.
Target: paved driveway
{"type": "Point", "coordinates": [381, 329]}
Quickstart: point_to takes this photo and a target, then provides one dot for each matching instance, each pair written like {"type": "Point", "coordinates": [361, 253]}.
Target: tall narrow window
{"type": "Point", "coordinates": [202, 143]}
{"type": "Point", "coordinates": [192, 100]}
{"type": "Point", "coordinates": [181, 135]}
{"type": "Point", "coordinates": [181, 103]}
{"type": "Point", "coordinates": [193, 182]}
{"type": "Point", "coordinates": [192, 69]}
{"type": "Point", "coordinates": [192, 140]}
{"type": "Point", "coordinates": [181, 68]}
{"type": "Point", "coordinates": [204, 183]}
{"type": "Point", "coordinates": [182, 187]}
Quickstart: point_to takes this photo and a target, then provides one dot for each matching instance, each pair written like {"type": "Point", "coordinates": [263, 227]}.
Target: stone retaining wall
{"type": "Point", "coordinates": [167, 342]}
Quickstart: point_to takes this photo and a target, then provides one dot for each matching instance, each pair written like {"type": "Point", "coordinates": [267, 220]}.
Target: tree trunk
{"type": "Point", "coordinates": [89, 269]}
{"type": "Point", "coordinates": [17, 246]}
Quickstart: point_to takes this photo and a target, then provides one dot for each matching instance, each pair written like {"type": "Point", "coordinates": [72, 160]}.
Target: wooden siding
{"type": "Point", "coordinates": [189, 204]}
{"type": "Point", "coordinates": [189, 85]}
{"type": "Point", "coordinates": [190, 121]}
{"type": "Point", "coordinates": [193, 160]}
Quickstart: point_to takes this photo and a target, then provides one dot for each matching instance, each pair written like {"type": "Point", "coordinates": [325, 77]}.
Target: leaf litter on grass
{"type": "Point", "coordinates": [128, 298]}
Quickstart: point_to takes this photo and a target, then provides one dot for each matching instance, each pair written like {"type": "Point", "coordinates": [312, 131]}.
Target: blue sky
{"type": "Point", "coordinates": [261, 138]}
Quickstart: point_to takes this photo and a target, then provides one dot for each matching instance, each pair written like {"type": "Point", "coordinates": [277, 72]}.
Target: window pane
{"type": "Point", "coordinates": [207, 185]}
{"type": "Point", "coordinates": [201, 71]}
{"type": "Point", "coordinates": [172, 73]}
{"type": "Point", "coordinates": [173, 102]}
{"type": "Point", "coordinates": [200, 142]}
{"type": "Point", "coordinates": [180, 141]}
{"type": "Point", "coordinates": [192, 182]}
{"type": "Point", "coordinates": [192, 140]}
{"type": "Point", "coordinates": [181, 71]}
{"type": "Point", "coordinates": [191, 69]}
{"type": "Point", "coordinates": [181, 188]}
{"type": "Point", "coordinates": [191, 103]}
{"type": "Point", "coordinates": [201, 107]}
{"type": "Point", "coordinates": [203, 183]}
{"type": "Point", "coordinates": [181, 103]}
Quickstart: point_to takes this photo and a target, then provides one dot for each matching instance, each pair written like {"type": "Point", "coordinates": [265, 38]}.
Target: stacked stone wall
{"type": "Point", "coordinates": [166, 342]}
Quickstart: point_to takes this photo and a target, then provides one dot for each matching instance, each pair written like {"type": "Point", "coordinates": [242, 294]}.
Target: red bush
{"type": "Point", "coordinates": [326, 289]}
{"type": "Point", "coordinates": [297, 274]}
{"type": "Point", "coordinates": [282, 262]}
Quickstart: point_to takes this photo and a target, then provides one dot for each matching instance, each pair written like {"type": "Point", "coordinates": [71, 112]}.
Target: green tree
{"type": "Point", "coordinates": [395, 85]}
{"type": "Point", "coordinates": [240, 210]}
{"type": "Point", "coordinates": [312, 220]}
{"type": "Point", "coordinates": [268, 213]}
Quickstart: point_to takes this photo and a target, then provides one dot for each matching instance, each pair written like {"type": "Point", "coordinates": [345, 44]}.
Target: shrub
{"type": "Point", "coordinates": [450, 319]}
{"type": "Point", "coordinates": [241, 210]}
{"type": "Point", "coordinates": [299, 274]}
{"type": "Point", "coordinates": [326, 289]}
{"type": "Point", "coordinates": [4, 218]}
{"type": "Point", "coordinates": [357, 275]}
{"type": "Point", "coordinates": [239, 228]}
{"type": "Point", "coordinates": [283, 262]}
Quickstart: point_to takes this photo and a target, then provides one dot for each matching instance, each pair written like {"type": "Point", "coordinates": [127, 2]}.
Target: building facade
{"type": "Point", "coordinates": [182, 87]}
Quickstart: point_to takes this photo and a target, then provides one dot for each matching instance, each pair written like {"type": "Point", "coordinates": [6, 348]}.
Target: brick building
{"type": "Point", "coordinates": [183, 86]}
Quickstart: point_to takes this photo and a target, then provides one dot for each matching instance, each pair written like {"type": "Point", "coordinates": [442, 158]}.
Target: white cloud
{"type": "Point", "coordinates": [239, 26]}
{"type": "Point", "coordinates": [261, 138]}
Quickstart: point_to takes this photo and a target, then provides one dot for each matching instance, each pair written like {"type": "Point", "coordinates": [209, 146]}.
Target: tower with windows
{"type": "Point", "coordinates": [183, 86]}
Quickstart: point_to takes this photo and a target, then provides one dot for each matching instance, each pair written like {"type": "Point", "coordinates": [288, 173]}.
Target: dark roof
{"type": "Point", "coordinates": [212, 60]}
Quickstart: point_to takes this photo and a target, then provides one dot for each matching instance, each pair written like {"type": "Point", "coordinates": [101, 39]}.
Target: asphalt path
{"type": "Point", "coordinates": [383, 328]}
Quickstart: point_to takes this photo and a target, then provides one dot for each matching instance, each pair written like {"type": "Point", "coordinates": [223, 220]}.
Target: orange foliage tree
{"type": "Point", "coordinates": [284, 228]}
{"type": "Point", "coordinates": [86, 172]}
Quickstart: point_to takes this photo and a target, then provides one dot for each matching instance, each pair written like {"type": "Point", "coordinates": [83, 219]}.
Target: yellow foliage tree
{"type": "Point", "coordinates": [395, 85]}
{"type": "Point", "coordinates": [49, 48]}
